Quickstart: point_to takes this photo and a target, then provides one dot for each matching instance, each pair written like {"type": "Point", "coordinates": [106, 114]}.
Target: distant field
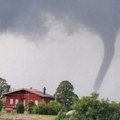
{"type": "Point", "coordinates": [28, 116]}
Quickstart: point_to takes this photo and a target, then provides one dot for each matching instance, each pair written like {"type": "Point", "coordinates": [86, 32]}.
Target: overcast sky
{"type": "Point", "coordinates": [43, 42]}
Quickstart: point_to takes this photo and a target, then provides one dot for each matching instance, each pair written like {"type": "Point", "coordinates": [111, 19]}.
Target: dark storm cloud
{"type": "Point", "coordinates": [27, 17]}
{"type": "Point", "coordinates": [21, 17]}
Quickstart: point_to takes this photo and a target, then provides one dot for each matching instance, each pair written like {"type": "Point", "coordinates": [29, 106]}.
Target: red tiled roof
{"type": "Point", "coordinates": [34, 91]}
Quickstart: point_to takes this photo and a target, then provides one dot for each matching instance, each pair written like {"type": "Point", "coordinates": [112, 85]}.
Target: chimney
{"type": "Point", "coordinates": [44, 90]}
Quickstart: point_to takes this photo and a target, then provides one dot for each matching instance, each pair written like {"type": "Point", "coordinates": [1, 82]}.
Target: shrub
{"type": "Point", "coordinates": [92, 108]}
{"type": "Point", "coordinates": [20, 108]}
{"type": "Point", "coordinates": [36, 110]}
{"type": "Point", "coordinates": [62, 116]}
{"type": "Point", "coordinates": [42, 108]}
{"type": "Point", "coordinates": [54, 107]}
{"type": "Point", "coordinates": [31, 106]}
{"type": "Point", "coordinates": [51, 108]}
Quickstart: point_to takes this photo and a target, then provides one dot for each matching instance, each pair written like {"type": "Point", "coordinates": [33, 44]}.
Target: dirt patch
{"type": "Point", "coordinates": [10, 119]}
{"type": "Point", "coordinates": [16, 119]}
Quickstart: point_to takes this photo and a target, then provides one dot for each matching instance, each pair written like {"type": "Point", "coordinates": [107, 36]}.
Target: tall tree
{"type": "Point", "coordinates": [64, 94]}
{"type": "Point", "coordinates": [4, 87]}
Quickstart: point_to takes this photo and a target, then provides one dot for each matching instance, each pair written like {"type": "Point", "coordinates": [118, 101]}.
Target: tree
{"type": "Point", "coordinates": [1, 104]}
{"type": "Point", "coordinates": [4, 87]}
{"type": "Point", "coordinates": [64, 94]}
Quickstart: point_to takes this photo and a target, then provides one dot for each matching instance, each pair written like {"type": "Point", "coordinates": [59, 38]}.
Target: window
{"type": "Point", "coordinates": [36, 102]}
{"type": "Point", "coordinates": [11, 101]}
{"type": "Point", "coordinates": [16, 101]}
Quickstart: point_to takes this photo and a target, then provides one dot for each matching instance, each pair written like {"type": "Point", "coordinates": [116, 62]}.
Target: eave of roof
{"type": "Point", "coordinates": [39, 93]}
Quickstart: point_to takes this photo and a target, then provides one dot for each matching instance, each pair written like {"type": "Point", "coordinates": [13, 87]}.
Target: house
{"type": "Point", "coordinates": [25, 95]}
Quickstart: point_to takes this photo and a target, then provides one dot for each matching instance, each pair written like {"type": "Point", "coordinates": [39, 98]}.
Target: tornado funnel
{"type": "Point", "coordinates": [108, 56]}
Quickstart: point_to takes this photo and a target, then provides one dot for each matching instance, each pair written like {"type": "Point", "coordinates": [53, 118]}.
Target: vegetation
{"type": "Point", "coordinates": [92, 108]}
{"type": "Point", "coordinates": [4, 87]}
{"type": "Point", "coordinates": [65, 95]}
{"type": "Point", "coordinates": [1, 104]}
{"type": "Point", "coordinates": [20, 108]}
{"type": "Point", "coordinates": [31, 106]}
{"type": "Point", "coordinates": [52, 108]}
{"type": "Point", "coordinates": [42, 108]}
{"type": "Point", "coordinates": [85, 108]}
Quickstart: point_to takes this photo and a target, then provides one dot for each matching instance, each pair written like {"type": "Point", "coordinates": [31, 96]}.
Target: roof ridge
{"type": "Point", "coordinates": [31, 91]}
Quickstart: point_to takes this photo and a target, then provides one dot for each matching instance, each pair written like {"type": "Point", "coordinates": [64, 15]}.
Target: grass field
{"type": "Point", "coordinates": [28, 116]}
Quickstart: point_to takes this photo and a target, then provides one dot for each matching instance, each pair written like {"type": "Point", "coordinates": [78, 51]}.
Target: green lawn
{"type": "Point", "coordinates": [28, 116]}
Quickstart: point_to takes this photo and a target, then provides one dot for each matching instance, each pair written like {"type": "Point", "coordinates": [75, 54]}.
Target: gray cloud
{"type": "Point", "coordinates": [27, 17]}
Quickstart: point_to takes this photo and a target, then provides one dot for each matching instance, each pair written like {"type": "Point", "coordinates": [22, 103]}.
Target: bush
{"type": "Point", "coordinates": [20, 108]}
{"type": "Point", "coordinates": [92, 108]}
{"type": "Point", "coordinates": [42, 108]}
{"type": "Point", "coordinates": [62, 116]}
{"type": "Point", "coordinates": [54, 107]}
{"type": "Point", "coordinates": [36, 110]}
{"type": "Point", "coordinates": [31, 106]}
